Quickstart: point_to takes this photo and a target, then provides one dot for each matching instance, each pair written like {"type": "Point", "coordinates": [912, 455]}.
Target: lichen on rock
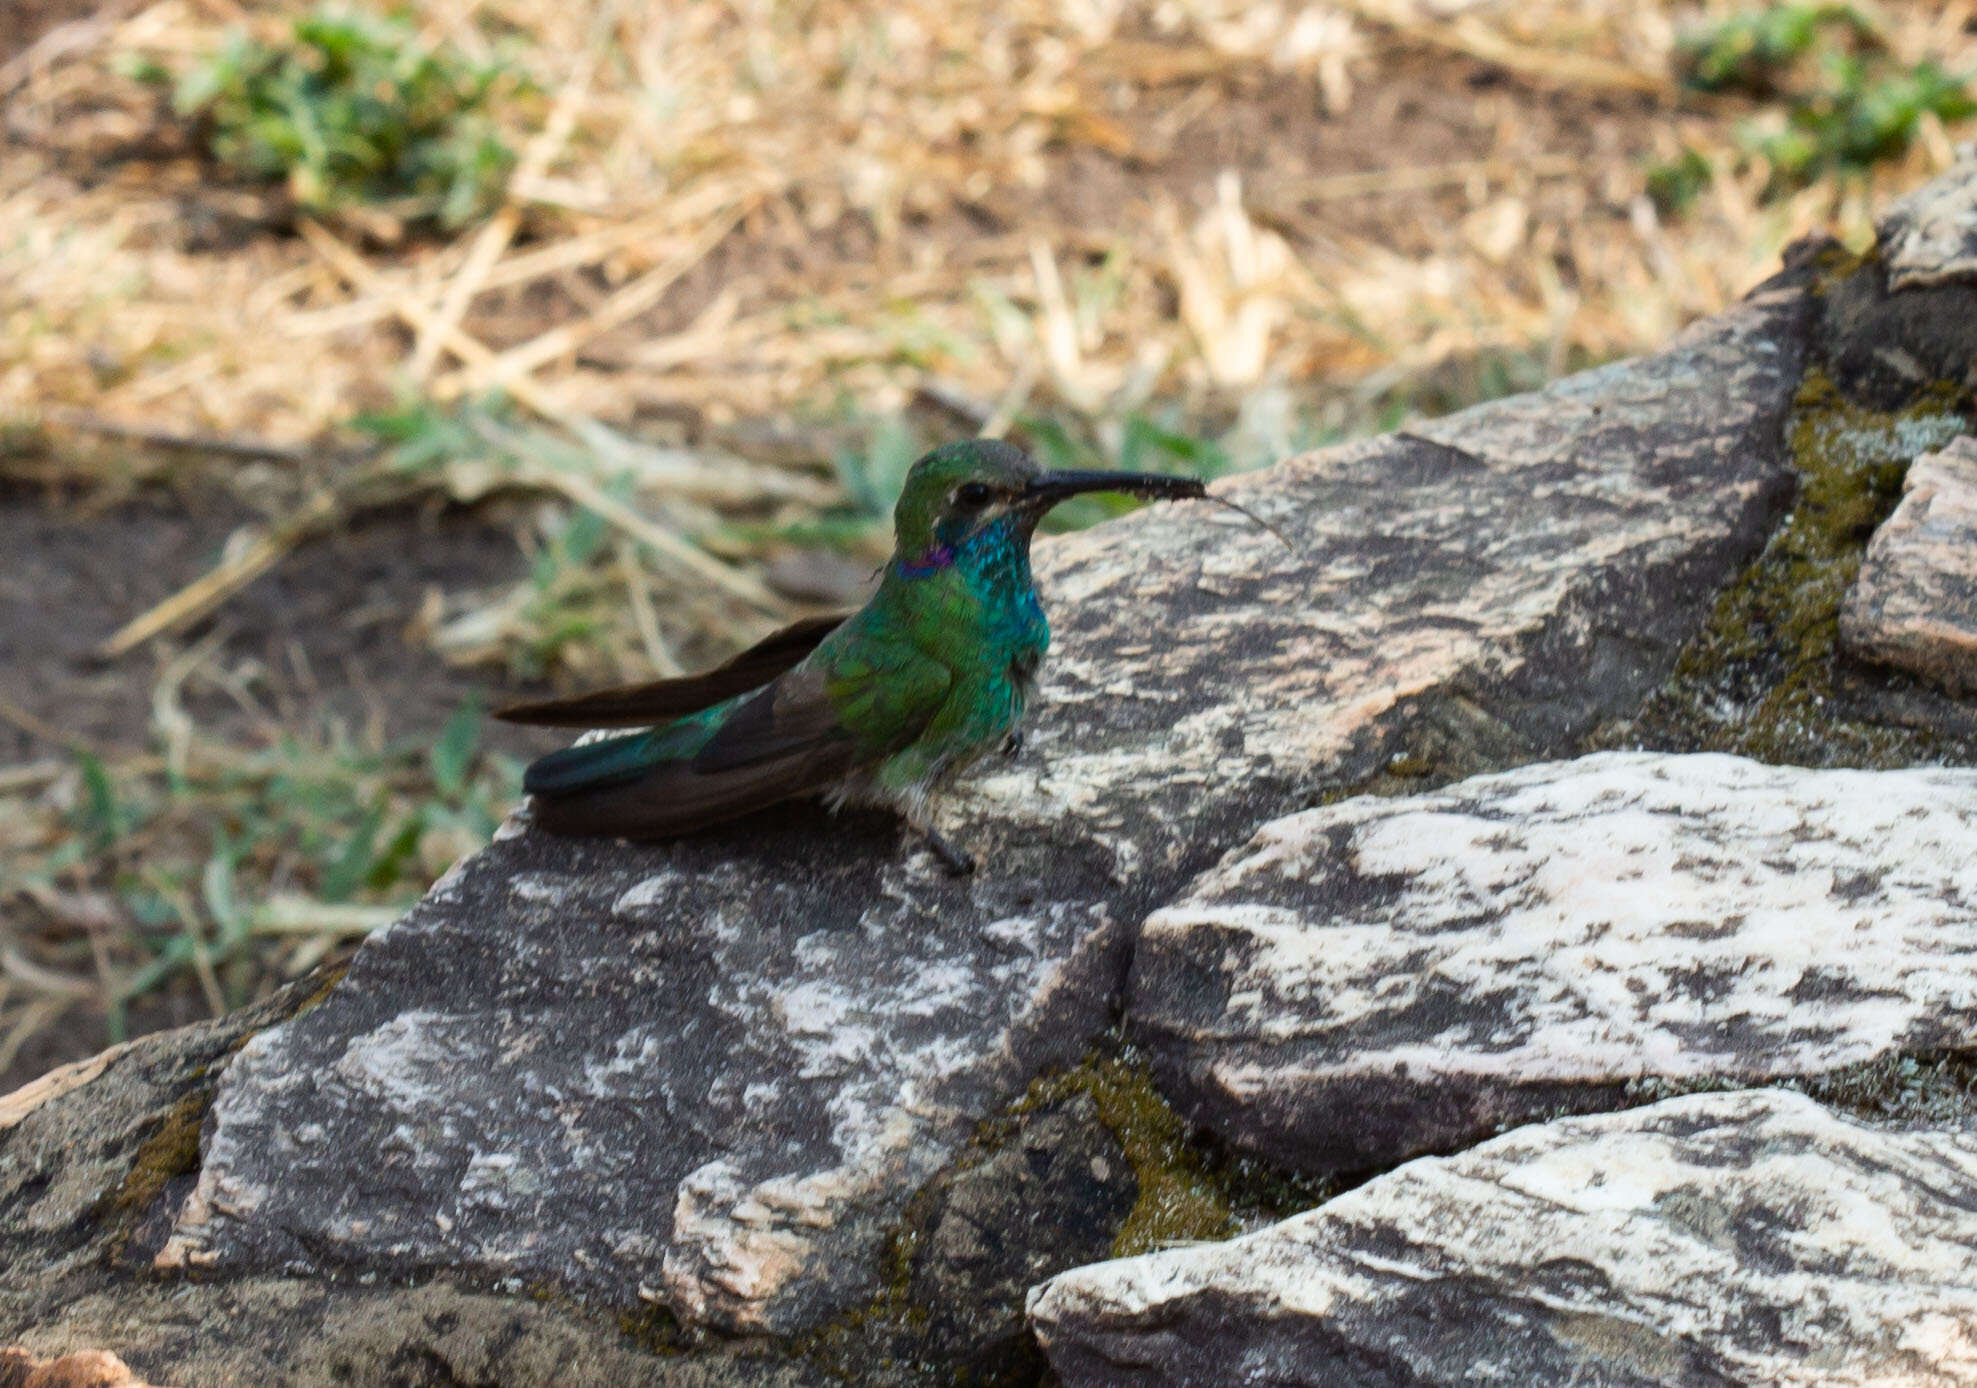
{"type": "Point", "coordinates": [1721, 1239]}
{"type": "Point", "coordinates": [1386, 977]}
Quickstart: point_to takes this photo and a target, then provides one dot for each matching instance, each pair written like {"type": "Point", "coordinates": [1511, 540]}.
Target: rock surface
{"type": "Point", "coordinates": [1045, 1202]}
{"type": "Point", "coordinates": [86, 1369]}
{"type": "Point", "coordinates": [1929, 238]}
{"type": "Point", "coordinates": [710, 1074]}
{"type": "Point", "coordinates": [1386, 977]}
{"type": "Point", "coordinates": [1914, 605]}
{"type": "Point", "coordinates": [91, 1165]}
{"type": "Point", "coordinates": [1742, 1238]}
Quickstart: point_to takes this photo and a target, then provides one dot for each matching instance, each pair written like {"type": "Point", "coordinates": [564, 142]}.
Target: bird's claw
{"type": "Point", "coordinates": [1012, 746]}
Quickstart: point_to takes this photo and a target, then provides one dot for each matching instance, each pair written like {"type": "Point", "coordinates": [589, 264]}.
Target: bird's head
{"type": "Point", "coordinates": [960, 490]}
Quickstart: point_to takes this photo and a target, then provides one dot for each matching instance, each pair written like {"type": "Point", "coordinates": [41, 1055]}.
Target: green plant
{"type": "Point", "coordinates": [1858, 117]}
{"type": "Point", "coordinates": [352, 108]}
{"type": "Point", "coordinates": [571, 610]}
{"type": "Point", "coordinates": [1755, 52]}
{"type": "Point", "coordinates": [245, 864]}
{"type": "Point", "coordinates": [1840, 103]}
{"type": "Point", "coordinates": [1675, 184]}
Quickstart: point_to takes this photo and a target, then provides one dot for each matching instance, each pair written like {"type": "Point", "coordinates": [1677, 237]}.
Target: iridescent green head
{"type": "Point", "coordinates": [960, 490]}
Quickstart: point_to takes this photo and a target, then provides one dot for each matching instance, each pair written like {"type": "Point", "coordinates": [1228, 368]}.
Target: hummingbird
{"type": "Point", "coordinates": [879, 707]}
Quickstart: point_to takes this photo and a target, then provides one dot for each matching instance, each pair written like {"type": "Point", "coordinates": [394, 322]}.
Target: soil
{"type": "Point", "coordinates": [24, 21]}
{"type": "Point", "coordinates": [322, 637]}
{"type": "Point", "coordinates": [318, 641]}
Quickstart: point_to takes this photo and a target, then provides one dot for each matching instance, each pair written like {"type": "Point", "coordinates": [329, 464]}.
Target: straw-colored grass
{"type": "Point", "coordinates": [734, 210]}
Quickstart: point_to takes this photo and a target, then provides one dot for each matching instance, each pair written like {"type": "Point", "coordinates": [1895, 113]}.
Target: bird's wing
{"type": "Point", "coordinates": [638, 705]}
{"type": "Point", "coordinates": [791, 739]}
{"type": "Point", "coordinates": [878, 695]}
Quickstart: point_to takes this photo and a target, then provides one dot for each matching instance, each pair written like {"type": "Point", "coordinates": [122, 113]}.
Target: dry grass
{"type": "Point", "coordinates": [733, 211]}
{"type": "Point", "coordinates": [728, 216]}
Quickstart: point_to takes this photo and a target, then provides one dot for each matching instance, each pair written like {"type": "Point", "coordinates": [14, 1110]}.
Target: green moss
{"type": "Point", "coordinates": [887, 1330]}
{"type": "Point", "coordinates": [1186, 1194]}
{"type": "Point", "coordinates": [1180, 1201]}
{"type": "Point", "coordinates": [1189, 1190]}
{"type": "Point", "coordinates": [325, 979]}
{"type": "Point", "coordinates": [653, 1329]}
{"type": "Point", "coordinates": [171, 1151]}
{"type": "Point", "coordinates": [1762, 679]}
{"type": "Point", "coordinates": [1935, 1087]}
{"type": "Point", "coordinates": [172, 1148]}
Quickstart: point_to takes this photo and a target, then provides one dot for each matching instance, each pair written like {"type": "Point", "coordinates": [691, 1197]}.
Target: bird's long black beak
{"type": "Point", "coordinates": [1053, 487]}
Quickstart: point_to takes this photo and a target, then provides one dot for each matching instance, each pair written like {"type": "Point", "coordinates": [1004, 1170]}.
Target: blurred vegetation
{"type": "Point", "coordinates": [1837, 100]}
{"type": "Point", "coordinates": [353, 108]}
{"type": "Point", "coordinates": [224, 860]}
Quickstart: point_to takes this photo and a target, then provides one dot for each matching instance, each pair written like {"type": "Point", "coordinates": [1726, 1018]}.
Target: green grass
{"type": "Point", "coordinates": [350, 108]}
{"type": "Point", "coordinates": [236, 867]}
{"type": "Point", "coordinates": [1836, 101]}
{"type": "Point", "coordinates": [1754, 52]}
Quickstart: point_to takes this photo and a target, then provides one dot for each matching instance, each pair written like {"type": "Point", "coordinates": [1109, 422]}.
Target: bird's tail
{"type": "Point", "coordinates": [592, 766]}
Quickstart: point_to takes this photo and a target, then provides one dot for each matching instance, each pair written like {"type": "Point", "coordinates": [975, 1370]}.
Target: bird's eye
{"type": "Point", "coordinates": [971, 496]}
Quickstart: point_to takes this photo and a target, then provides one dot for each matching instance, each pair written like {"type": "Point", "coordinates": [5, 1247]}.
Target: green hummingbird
{"type": "Point", "coordinates": [879, 707]}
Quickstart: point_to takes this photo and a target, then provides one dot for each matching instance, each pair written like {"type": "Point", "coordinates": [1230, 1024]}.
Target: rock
{"type": "Point", "coordinates": [1914, 605]}
{"type": "Point", "coordinates": [93, 1159]}
{"type": "Point", "coordinates": [1929, 238]}
{"type": "Point", "coordinates": [710, 1074]}
{"type": "Point", "coordinates": [87, 1369]}
{"type": "Point", "coordinates": [1718, 1239]}
{"type": "Point", "coordinates": [1385, 977]}
{"type": "Point", "coordinates": [88, 1148]}
{"type": "Point", "coordinates": [1898, 322]}
{"type": "Point", "coordinates": [285, 1332]}
{"type": "Point", "coordinates": [1047, 1201]}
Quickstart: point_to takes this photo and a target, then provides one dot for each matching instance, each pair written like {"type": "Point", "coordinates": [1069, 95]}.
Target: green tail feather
{"type": "Point", "coordinates": [616, 760]}
{"type": "Point", "coordinates": [592, 766]}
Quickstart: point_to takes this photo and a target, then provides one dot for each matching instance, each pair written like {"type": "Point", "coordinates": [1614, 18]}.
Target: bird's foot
{"type": "Point", "coordinates": [959, 861]}
{"type": "Point", "coordinates": [1012, 746]}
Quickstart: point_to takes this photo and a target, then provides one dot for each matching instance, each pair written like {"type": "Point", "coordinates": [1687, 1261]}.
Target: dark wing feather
{"type": "Point", "coordinates": [793, 713]}
{"type": "Point", "coordinates": [674, 798]}
{"type": "Point", "coordinates": [787, 741]}
{"type": "Point", "coordinates": [637, 705]}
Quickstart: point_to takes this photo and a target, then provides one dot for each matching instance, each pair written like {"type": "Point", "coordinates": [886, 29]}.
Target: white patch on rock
{"type": "Point", "coordinates": [1734, 1238]}
{"type": "Point", "coordinates": [1384, 977]}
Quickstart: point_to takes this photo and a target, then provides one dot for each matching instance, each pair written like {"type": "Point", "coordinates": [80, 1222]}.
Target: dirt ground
{"type": "Point", "coordinates": [325, 633]}
{"type": "Point", "coordinates": [322, 640]}
{"type": "Point", "coordinates": [24, 21]}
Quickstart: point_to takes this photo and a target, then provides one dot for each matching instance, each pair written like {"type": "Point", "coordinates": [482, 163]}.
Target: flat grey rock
{"type": "Point", "coordinates": [1929, 238]}
{"type": "Point", "coordinates": [1914, 605]}
{"type": "Point", "coordinates": [1749, 1238]}
{"type": "Point", "coordinates": [1385, 977]}
{"type": "Point", "coordinates": [710, 1074]}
